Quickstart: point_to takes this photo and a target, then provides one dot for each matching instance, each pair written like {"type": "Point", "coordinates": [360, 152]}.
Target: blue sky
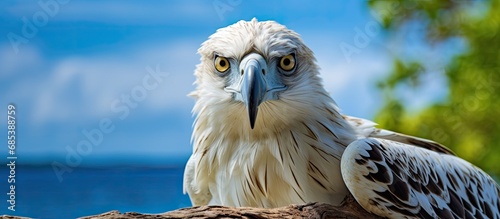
{"type": "Point", "coordinates": [86, 58]}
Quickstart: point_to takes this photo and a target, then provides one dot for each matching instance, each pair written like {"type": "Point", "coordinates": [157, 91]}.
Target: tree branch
{"type": "Point", "coordinates": [349, 209]}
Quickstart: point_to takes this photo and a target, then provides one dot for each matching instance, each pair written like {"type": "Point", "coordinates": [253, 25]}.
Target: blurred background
{"type": "Point", "coordinates": [100, 87]}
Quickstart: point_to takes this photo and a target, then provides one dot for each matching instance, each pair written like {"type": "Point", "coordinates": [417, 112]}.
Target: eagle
{"type": "Point", "coordinates": [267, 134]}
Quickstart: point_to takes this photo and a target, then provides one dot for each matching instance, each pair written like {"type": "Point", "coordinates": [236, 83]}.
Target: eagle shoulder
{"type": "Point", "coordinates": [366, 129]}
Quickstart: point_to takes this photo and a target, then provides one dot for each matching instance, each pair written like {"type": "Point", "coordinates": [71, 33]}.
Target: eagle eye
{"type": "Point", "coordinates": [221, 64]}
{"type": "Point", "coordinates": [287, 62]}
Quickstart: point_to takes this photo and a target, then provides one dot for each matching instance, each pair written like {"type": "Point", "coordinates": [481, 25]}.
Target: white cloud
{"type": "Point", "coordinates": [352, 85]}
{"type": "Point", "coordinates": [85, 87]}
{"type": "Point", "coordinates": [12, 63]}
{"type": "Point", "coordinates": [180, 61]}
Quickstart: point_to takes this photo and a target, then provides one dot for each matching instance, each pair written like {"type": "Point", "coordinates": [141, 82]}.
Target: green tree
{"type": "Point", "coordinates": [468, 120]}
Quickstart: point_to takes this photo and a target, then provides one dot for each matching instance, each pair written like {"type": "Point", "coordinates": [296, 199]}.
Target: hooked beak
{"type": "Point", "coordinates": [253, 89]}
{"type": "Point", "coordinates": [256, 84]}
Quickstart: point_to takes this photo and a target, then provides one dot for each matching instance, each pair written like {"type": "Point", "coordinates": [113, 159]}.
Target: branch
{"type": "Point", "coordinates": [348, 209]}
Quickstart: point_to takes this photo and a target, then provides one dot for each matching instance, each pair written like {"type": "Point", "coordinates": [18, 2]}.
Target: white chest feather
{"type": "Point", "coordinates": [292, 168]}
{"type": "Point", "coordinates": [297, 165]}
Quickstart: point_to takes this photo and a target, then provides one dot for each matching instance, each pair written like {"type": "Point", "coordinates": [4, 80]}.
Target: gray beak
{"type": "Point", "coordinates": [254, 84]}
{"type": "Point", "coordinates": [253, 88]}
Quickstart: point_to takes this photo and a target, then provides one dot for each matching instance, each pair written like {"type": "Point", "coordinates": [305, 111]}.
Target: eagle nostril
{"type": "Point", "coordinates": [263, 71]}
{"type": "Point", "coordinates": [241, 71]}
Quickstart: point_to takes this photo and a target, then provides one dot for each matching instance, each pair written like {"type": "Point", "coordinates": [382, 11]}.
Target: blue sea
{"type": "Point", "coordinates": [90, 191]}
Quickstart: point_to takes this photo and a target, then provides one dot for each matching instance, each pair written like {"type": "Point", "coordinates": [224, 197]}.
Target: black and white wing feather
{"type": "Point", "coordinates": [366, 129]}
{"type": "Point", "coordinates": [398, 180]}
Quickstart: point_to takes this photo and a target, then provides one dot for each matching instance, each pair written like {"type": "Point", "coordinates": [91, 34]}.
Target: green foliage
{"type": "Point", "coordinates": [468, 121]}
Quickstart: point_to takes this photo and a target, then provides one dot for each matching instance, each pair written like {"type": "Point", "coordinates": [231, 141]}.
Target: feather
{"type": "Point", "coordinates": [397, 180]}
{"type": "Point", "coordinates": [366, 128]}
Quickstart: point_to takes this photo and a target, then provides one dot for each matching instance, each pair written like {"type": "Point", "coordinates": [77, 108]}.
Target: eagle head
{"type": "Point", "coordinates": [256, 76]}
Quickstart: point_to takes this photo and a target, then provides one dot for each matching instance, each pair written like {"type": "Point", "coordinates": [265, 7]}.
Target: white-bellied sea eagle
{"type": "Point", "coordinates": [267, 134]}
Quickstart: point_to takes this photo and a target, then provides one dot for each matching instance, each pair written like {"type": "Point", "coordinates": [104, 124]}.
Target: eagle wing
{"type": "Point", "coordinates": [400, 176]}
{"type": "Point", "coordinates": [198, 194]}
{"type": "Point", "coordinates": [399, 180]}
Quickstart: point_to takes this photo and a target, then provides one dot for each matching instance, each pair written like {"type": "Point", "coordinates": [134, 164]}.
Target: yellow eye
{"type": "Point", "coordinates": [287, 62]}
{"type": "Point", "coordinates": [221, 64]}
